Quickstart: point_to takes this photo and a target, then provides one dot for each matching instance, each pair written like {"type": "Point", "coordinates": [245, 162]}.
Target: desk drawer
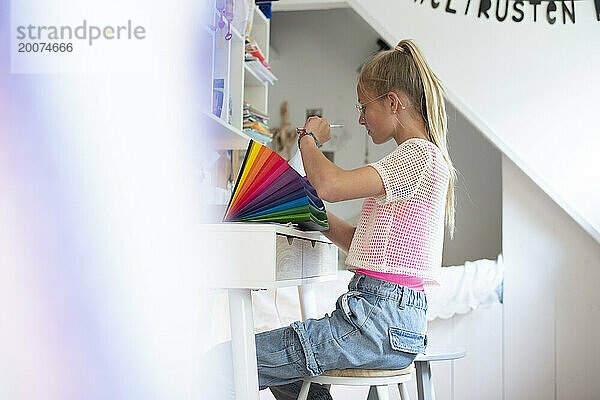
{"type": "Point", "coordinates": [329, 258]}
{"type": "Point", "coordinates": [288, 257]}
{"type": "Point", "coordinates": [318, 258]}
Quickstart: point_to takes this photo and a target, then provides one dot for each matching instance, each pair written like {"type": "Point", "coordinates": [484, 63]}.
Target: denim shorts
{"type": "Point", "coordinates": [375, 325]}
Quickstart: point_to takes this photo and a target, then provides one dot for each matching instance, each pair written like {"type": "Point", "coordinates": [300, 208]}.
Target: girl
{"type": "Point", "coordinates": [396, 247]}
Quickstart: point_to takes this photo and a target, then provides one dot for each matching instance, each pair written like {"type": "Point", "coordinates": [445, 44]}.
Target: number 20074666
{"type": "Point", "coordinates": [49, 47]}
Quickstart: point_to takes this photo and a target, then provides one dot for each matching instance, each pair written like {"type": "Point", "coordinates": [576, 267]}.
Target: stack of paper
{"type": "Point", "coordinates": [257, 62]}
{"type": "Point", "coordinates": [269, 190]}
{"type": "Point", "coordinates": [255, 123]}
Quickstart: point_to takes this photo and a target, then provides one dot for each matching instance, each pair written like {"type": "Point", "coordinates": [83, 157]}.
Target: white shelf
{"type": "Point", "coordinates": [240, 84]}
{"type": "Point", "coordinates": [223, 136]}
{"type": "Point", "coordinates": [259, 17]}
{"type": "Point", "coordinates": [251, 78]}
{"type": "Point", "coordinates": [237, 35]}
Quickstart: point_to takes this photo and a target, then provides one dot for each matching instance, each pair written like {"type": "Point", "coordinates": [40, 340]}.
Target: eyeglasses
{"type": "Point", "coordinates": [362, 107]}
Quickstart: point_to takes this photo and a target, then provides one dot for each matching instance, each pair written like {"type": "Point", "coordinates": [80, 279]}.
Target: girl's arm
{"type": "Point", "coordinates": [334, 184]}
{"type": "Point", "coordinates": [340, 232]}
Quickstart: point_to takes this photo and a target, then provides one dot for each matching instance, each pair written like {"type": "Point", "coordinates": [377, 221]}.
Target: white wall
{"type": "Point", "coordinates": [551, 297]}
{"type": "Point", "coordinates": [315, 56]}
{"type": "Point", "coordinates": [478, 191]}
{"type": "Point", "coordinates": [532, 87]}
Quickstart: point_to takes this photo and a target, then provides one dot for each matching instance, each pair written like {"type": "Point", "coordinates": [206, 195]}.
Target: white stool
{"type": "Point", "coordinates": [379, 378]}
{"type": "Point", "coordinates": [433, 353]}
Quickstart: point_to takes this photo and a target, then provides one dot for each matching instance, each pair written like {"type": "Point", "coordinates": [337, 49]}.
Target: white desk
{"type": "Point", "coordinates": [250, 256]}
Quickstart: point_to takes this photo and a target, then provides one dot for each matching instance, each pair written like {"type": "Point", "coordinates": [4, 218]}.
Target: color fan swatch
{"type": "Point", "coordinates": [268, 189]}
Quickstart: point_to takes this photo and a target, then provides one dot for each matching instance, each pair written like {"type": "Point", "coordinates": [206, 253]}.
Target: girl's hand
{"type": "Point", "coordinates": [319, 127]}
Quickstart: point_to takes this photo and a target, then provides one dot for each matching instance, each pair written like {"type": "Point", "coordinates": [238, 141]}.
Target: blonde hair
{"type": "Point", "coordinates": [404, 68]}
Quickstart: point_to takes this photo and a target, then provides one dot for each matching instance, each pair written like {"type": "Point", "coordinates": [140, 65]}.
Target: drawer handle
{"type": "Point", "coordinates": [313, 243]}
{"type": "Point", "coordinates": [290, 240]}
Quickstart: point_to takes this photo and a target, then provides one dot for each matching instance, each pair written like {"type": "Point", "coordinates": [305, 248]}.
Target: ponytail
{"type": "Point", "coordinates": [434, 114]}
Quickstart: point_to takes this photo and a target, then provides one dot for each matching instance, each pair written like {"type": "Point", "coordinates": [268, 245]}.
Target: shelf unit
{"type": "Point", "coordinates": [240, 83]}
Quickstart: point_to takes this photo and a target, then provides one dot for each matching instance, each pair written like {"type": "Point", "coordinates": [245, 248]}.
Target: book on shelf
{"type": "Point", "coordinates": [268, 189]}
{"type": "Point", "coordinates": [256, 60]}
{"type": "Point", "coordinates": [218, 90]}
{"type": "Point", "coordinates": [253, 117]}
{"type": "Point", "coordinates": [253, 49]}
{"type": "Point", "coordinates": [258, 129]}
{"type": "Point", "coordinates": [256, 112]}
{"type": "Point", "coordinates": [259, 136]}
{"type": "Point", "coordinates": [255, 123]}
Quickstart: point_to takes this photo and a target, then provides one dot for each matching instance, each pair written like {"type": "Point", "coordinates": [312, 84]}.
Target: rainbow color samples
{"type": "Point", "coordinates": [268, 189]}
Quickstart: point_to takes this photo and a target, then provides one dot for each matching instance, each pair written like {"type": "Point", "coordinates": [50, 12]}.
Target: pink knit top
{"type": "Point", "coordinates": [402, 231]}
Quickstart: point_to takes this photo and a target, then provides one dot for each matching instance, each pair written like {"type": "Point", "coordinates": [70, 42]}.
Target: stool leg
{"type": "Point", "coordinates": [372, 393]}
{"type": "Point", "coordinates": [403, 391]}
{"type": "Point", "coordinates": [424, 382]}
{"type": "Point", "coordinates": [383, 393]}
{"type": "Point", "coordinates": [304, 391]}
